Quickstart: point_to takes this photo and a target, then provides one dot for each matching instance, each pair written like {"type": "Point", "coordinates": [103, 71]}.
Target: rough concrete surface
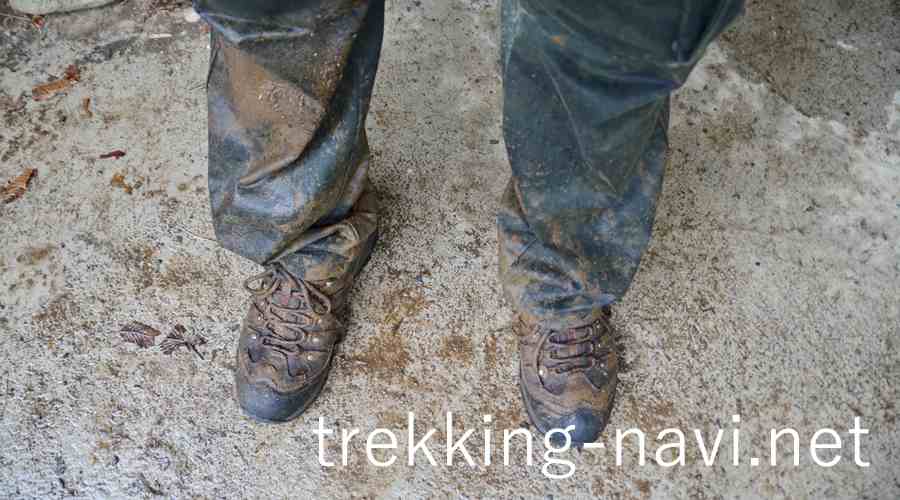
{"type": "Point", "coordinates": [770, 289]}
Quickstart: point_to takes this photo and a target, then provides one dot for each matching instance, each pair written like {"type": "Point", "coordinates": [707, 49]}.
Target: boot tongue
{"type": "Point", "coordinates": [566, 344]}
{"type": "Point", "coordinates": [284, 298]}
{"type": "Point", "coordinates": [571, 335]}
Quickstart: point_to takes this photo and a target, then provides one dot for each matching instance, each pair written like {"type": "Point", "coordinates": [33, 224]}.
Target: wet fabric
{"type": "Point", "coordinates": [586, 111]}
{"type": "Point", "coordinates": [585, 119]}
{"type": "Point", "coordinates": [288, 92]}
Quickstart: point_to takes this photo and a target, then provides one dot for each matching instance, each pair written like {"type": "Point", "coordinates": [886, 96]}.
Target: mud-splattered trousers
{"type": "Point", "coordinates": [585, 117]}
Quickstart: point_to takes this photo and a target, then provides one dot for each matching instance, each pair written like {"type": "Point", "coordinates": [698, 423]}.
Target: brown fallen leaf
{"type": "Point", "coordinates": [118, 180]}
{"type": "Point", "coordinates": [73, 74]}
{"type": "Point", "coordinates": [37, 22]}
{"type": "Point", "coordinates": [180, 338]}
{"type": "Point", "coordinates": [47, 90]}
{"type": "Point", "coordinates": [17, 186]}
{"type": "Point", "coordinates": [115, 154]}
{"type": "Point", "coordinates": [139, 334]}
{"type": "Point", "coordinates": [86, 107]}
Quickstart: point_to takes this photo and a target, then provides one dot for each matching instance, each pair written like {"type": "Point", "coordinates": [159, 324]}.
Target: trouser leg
{"type": "Point", "coordinates": [288, 92]}
{"type": "Point", "coordinates": [586, 110]}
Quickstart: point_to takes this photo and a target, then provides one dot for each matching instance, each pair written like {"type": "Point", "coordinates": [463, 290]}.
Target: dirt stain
{"type": "Point", "coordinates": [650, 415]}
{"type": "Point", "coordinates": [392, 420]}
{"type": "Point", "coordinates": [490, 351]}
{"type": "Point", "coordinates": [386, 353]}
{"type": "Point", "coordinates": [644, 487]}
{"type": "Point", "coordinates": [34, 255]}
{"type": "Point", "coordinates": [732, 128]}
{"type": "Point", "coordinates": [56, 313]}
{"type": "Point", "coordinates": [457, 348]}
{"type": "Point", "coordinates": [181, 271]}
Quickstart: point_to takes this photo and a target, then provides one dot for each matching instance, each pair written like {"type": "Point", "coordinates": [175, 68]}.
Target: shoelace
{"type": "Point", "coordinates": [574, 349]}
{"type": "Point", "coordinates": [277, 317]}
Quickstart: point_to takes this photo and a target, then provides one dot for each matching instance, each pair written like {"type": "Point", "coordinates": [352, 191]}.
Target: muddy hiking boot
{"type": "Point", "coordinates": [287, 342]}
{"type": "Point", "coordinates": [568, 377]}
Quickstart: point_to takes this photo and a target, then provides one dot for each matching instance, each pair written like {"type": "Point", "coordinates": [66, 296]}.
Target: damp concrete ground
{"type": "Point", "coordinates": [771, 289]}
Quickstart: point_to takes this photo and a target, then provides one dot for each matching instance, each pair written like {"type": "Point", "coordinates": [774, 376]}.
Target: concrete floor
{"type": "Point", "coordinates": [770, 290]}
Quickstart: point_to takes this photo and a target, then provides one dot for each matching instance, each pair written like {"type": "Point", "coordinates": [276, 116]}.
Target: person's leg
{"type": "Point", "coordinates": [586, 108]}
{"type": "Point", "coordinates": [288, 92]}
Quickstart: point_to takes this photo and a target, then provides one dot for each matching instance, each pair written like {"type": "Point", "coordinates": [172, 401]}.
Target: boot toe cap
{"type": "Point", "coordinates": [262, 402]}
{"type": "Point", "coordinates": [587, 423]}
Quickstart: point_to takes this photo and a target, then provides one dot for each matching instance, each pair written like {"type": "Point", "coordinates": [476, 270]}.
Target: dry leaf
{"type": "Point", "coordinates": [118, 181]}
{"type": "Point", "coordinates": [180, 338]}
{"type": "Point", "coordinates": [115, 154]}
{"type": "Point", "coordinates": [37, 22]}
{"type": "Point", "coordinates": [47, 90]}
{"type": "Point", "coordinates": [86, 107]}
{"type": "Point", "coordinates": [139, 334]}
{"type": "Point", "coordinates": [17, 186]}
{"type": "Point", "coordinates": [73, 74]}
